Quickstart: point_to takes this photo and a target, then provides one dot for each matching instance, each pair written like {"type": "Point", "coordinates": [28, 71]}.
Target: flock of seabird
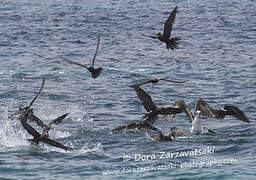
{"type": "Point", "coordinates": [201, 108]}
{"type": "Point", "coordinates": [26, 114]}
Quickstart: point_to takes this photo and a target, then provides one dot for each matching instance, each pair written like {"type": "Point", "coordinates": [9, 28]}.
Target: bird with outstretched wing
{"type": "Point", "coordinates": [94, 71]}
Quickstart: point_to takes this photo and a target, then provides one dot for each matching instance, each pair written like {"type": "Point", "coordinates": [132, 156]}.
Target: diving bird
{"type": "Point", "coordinates": [34, 118]}
{"type": "Point", "coordinates": [37, 136]}
{"type": "Point", "coordinates": [26, 114]}
{"type": "Point", "coordinates": [39, 122]}
{"type": "Point", "coordinates": [94, 71]}
{"type": "Point", "coordinates": [151, 108]}
{"type": "Point", "coordinates": [156, 80]}
{"type": "Point", "coordinates": [165, 37]}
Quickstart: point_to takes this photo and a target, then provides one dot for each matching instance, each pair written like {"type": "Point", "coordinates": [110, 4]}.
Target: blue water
{"type": "Point", "coordinates": [216, 54]}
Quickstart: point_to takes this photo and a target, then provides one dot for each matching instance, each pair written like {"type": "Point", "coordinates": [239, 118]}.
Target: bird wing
{"type": "Point", "coordinates": [119, 128]}
{"type": "Point", "coordinates": [38, 121]}
{"type": "Point", "coordinates": [219, 113]}
{"type": "Point", "coordinates": [33, 100]}
{"type": "Point", "coordinates": [169, 110]}
{"type": "Point", "coordinates": [56, 144]}
{"type": "Point", "coordinates": [154, 37]}
{"type": "Point", "coordinates": [173, 81]}
{"type": "Point", "coordinates": [155, 80]}
{"type": "Point", "coordinates": [146, 99]}
{"type": "Point", "coordinates": [205, 109]}
{"type": "Point", "coordinates": [96, 51]}
{"type": "Point", "coordinates": [142, 83]}
{"type": "Point", "coordinates": [35, 134]}
{"type": "Point", "coordinates": [27, 108]}
{"type": "Point", "coordinates": [58, 119]}
{"type": "Point", "coordinates": [183, 106]}
{"type": "Point", "coordinates": [169, 22]}
{"type": "Point", "coordinates": [55, 121]}
{"type": "Point", "coordinates": [72, 62]}
{"type": "Point", "coordinates": [149, 126]}
{"type": "Point", "coordinates": [235, 111]}
{"type": "Point", "coordinates": [150, 118]}
{"type": "Point", "coordinates": [23, 119]}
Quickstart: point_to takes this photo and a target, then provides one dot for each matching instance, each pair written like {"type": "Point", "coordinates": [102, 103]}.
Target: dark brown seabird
{"type": "Point", "coordinates": [37, 137]}
{"type": "Point", "coordinates": [177, 132]}
{"type": "Point", "coordinates": [165, 37]}
{"type": "Point", "coordinates": [95, 72]}
{"type": "Point", "coordinates": [133, 125]}
{"type": "Point", "coordinates": [156, 80]}
{"type": "Point", "coordinates": [160, 137]}
{"type": "Point", "coordinates": [153, 110]}
{"type": "Point", "coordinates": [46, 127]}
{"type": "Point", "coordinates": [26, 114]}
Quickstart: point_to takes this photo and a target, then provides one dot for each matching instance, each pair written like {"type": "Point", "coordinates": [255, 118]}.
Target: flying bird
{"type": "Point", "coordinates": [165, 37]}
{"type": "Point", "coordinates": [151, 108]}
{"type": "Point", "coordinates": [94, 71]}
{"type": "Point", "coordinates": [156, 80]}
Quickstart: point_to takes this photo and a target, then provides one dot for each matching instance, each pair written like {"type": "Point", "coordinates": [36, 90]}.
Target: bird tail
{"type": "Point", "coordinates": [173, 43]}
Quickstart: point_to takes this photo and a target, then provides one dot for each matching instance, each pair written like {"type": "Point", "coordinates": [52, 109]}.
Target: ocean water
{"type": "Point", "coordinates": [216, 55]}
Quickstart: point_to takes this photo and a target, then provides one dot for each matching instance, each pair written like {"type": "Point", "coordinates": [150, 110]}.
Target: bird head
{"type": "Point", "coordinates": [198, 113]}
{"type": "Point", "coordinates": [159, 34]}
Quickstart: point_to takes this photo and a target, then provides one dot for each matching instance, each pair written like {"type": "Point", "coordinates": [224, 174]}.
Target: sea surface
{"type": "Point", "coordinates": [216, 55]}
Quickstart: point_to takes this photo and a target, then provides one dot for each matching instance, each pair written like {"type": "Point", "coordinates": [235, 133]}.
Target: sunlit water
{"type": "Point", "coordinates": [216, 54]}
